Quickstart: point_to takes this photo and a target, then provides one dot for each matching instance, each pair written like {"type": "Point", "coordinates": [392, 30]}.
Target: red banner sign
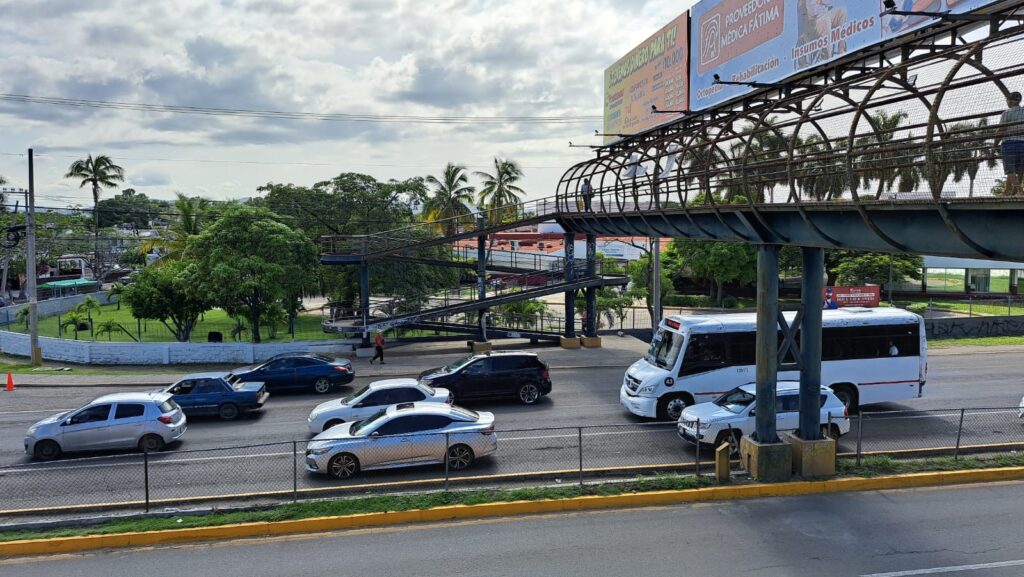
{"type": "Point", "coordinates": [836, 297]}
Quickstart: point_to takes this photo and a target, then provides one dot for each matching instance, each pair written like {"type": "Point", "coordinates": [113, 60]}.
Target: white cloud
{"type": "Point", "coordinates": [401, 57]}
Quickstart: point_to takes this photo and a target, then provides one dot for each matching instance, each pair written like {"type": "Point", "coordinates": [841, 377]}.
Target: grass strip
{"type": "Point", "coordinates": [869, 467]}
{"type": "Point", "coordinates": [383, 503]}
{"type": "Point", "coordinates": [975, 342]}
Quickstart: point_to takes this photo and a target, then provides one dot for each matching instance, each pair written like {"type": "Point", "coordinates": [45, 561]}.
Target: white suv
{"type": "Point", "coordinates": [730, 416]}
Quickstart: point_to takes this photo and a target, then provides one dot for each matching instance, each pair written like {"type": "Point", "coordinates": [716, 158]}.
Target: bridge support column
{"type": "Point", "coordinates": [364, 300]}
{"type": "Point", "coordinates": [655, 282]}
{"type": "Point", "coordinates": [569, 339]}
{"type": "Point", "coordinates": [764, 455]}
{"type": "Point", "coordinates": [810, 343]}
{"type": "Point", "coordinates": [590, 338]}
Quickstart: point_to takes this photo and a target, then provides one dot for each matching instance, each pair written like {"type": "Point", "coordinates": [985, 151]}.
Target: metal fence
{"type": "Point", "coordinates": [276, 472]}
{"type": "Point", "coordinates": [1010, 305]}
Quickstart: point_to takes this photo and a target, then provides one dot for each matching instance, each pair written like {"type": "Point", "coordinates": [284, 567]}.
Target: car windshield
{"type": "Point", "coordinates": [360, 426]}
{"type": "Point", "coordinates": [459, 364]}
{"type": "Point", "coordinates": [349, 398]}
{"type": "Point", "coordinates": [665, 348]}
{"type": "Point", "coordinates": [735, 401]}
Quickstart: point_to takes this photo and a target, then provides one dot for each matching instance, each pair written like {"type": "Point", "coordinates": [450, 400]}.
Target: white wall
{"type": "Point", "coordinates": [100, 353]}
{"type": "Point", "coordinates": [50, 307]}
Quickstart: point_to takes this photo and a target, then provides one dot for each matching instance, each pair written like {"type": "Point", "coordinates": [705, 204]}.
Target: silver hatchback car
{"type": "Point", "coordinates": [404, 435]}
{"type": "Point", "coordinates": [147, 421]}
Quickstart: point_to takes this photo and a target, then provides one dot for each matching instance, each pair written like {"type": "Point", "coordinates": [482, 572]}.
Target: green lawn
{"type": "Point", "coordinates": [307, 327]}
{"type": "Point", "coordinates": [975, 342]}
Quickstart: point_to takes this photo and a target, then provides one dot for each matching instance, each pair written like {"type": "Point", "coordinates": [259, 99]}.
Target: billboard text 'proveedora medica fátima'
{"type": "Point", "coordinates": [652, 74]}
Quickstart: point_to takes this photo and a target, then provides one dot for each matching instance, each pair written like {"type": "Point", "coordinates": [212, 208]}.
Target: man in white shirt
{"type": "Point", "coordinates": [1010, 140]}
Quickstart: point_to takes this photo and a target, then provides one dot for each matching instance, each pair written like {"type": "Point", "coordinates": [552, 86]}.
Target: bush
{"type": "Point", "coordinates": [918, 308]}
{"type": "Point", "coordinates": [689, 301]}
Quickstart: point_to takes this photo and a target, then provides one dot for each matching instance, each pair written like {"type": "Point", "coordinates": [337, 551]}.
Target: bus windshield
{"type": "Point", "coordinates": [665, 348]}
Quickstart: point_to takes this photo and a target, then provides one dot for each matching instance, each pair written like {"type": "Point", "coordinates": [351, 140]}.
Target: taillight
{"type": "Point", "coordinates": [165, 419]}
{"type": "Point", "coordinates": [488, 431]}
{"type": "Point", "coordinates": [545, 375]}
{"type": "Point", "coordinates": [846, 411]}
{"type": "Point", "coordinates": [341, 369]}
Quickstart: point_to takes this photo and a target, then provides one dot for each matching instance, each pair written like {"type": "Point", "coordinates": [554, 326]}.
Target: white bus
{"type": "Point", "coordinates": [868, 356]}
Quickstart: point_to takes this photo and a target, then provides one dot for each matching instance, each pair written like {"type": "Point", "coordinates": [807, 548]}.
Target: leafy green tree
{"type": "Point", "coordinates": [172, 294]}
{"type": "Point", "coordinates": [99, 172]}
{"type": "Point", "coordinates": [609, 302]}
{"type": "Point", "coordinates": [129, 208]}
{"type": "Point", "coordinates": [250, 261]}
{"type": "Point", "coordinates": [873, 268]}
{"type": "Point", "coordinates": [521, 313]}
{"type": "Point", "coordinates": [640, 273]}
{"type": "Point", "coordinates": [717, 262]}
{"type": "Point", "coordinates": [451, 198]}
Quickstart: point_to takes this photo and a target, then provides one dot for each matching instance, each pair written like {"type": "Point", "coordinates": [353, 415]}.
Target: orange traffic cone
{"type": "Point", "coordinates": [10, 382]}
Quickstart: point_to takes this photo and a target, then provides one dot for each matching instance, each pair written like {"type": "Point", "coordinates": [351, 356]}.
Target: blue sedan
{"type": "Point", "coordinates": [221, 394]}
{"type": "Point", "coordinates": [300, 372]}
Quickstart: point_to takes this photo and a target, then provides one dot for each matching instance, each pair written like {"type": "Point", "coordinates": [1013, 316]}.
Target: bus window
{"type": "Point", "coordinates": [665, 349]}
{"type": "Point", "coordinates": [704, 353]}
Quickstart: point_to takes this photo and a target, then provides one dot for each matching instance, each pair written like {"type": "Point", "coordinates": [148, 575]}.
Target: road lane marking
{"type": "Point", "coordinates": [950, 569]}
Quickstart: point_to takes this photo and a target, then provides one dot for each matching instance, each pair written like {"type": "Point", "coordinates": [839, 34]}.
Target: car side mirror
{"type": "Point", "coordinates": [753, 413]}
{"type": "Point", "coordinates": [375, 434]}
{"type": "Point", "coordinates": [66, 423]}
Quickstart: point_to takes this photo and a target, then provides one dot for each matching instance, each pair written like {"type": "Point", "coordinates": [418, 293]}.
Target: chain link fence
{"type": "Point", "coordinates": [277, 472]}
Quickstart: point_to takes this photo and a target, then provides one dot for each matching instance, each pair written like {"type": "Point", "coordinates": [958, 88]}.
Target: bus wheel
{"type": "Point", "coordinates": [848, 396]}
{"type": "Point", "coordinates": [670, 407]}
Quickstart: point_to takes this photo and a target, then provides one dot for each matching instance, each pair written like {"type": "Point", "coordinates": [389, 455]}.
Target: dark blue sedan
{"type": "Point", "coordinates": [221, 394]}
{"type": "Point", "coordinates": [300, 372]}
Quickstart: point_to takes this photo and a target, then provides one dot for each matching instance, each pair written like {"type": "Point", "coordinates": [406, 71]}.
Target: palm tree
{"type": "Point", "coordinates": [499, 189]}
{"type": "Point", "coordinates": [99, 172]}
{"type": "Point", "coordinates": [881, 164]}
{"type": "Point", "coordinates": [193, 214]}
{"type": "Point", "coordinates": [74, 319]}
{"type": "Point", "coordinates": [88, 305]}
{"type": "Point", "coordinates": [110, 328]}
{"type": "Point", "coordinates": [115, 290]}
{"type": "Point", "coordinates": [451, 198]}
{"type": "Point", "coordinates": [23, 315]}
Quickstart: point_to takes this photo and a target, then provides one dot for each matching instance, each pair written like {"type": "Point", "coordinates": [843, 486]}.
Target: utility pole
{"type": "Point", "coordinates": [30, 267]}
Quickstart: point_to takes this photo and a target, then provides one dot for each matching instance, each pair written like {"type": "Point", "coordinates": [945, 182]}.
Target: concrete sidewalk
{"type": "Point", "coordinates": [403, 360]}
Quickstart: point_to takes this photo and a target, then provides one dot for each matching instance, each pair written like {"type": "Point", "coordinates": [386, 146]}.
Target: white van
{"type": "Point", "coordinates": [868, 356]}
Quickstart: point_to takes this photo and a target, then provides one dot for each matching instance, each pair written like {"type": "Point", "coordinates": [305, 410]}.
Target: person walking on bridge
{"type": "Point", "coordinates": [378, 345]}
{"type": "Point", "coordinates": [1011, 136]}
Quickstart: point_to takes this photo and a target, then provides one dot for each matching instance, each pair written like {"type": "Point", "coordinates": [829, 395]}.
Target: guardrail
{"type": "Point", "coordinates": [275, 472]}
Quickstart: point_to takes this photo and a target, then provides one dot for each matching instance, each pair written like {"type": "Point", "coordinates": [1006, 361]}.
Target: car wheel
{"type": "Point", "coordinates": [46, 450]}
{"type": "Point", "coordinates": [228, 412]}
{"type": "Point", "coordinates": [343, 466]}
{"type": "Point", "coordinates": [731, 437]}
{"type": "Point", "coordinates": [528, 393]}
{"type": "Point", "coordinates": [670, 408]}
{"type": "Point", "coordinates": [151, 444]}
{"type": "Point", "coordinates": [322, 386]}
{"type": "Point", "coordinates": [459, 457]}
{"type": "Point", "coordinates": [332, 423]}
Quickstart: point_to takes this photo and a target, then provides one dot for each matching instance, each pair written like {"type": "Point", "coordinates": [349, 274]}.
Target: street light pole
{"type": "Point", "coordinates": [30, 267]}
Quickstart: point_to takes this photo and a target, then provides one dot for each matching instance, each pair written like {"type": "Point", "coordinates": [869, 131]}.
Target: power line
{"type": "Point", "coordinates": [277, 114]}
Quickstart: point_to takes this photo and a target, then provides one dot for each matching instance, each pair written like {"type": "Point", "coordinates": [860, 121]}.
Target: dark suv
{"type": "Point", "coordinates": [521, 376]}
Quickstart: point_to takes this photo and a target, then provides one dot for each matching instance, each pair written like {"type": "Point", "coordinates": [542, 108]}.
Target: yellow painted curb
{"type": "Point", "coordinates": [321, 524]}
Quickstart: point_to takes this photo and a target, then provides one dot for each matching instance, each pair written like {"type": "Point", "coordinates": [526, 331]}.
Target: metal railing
{"type": "Point", "coordinates": [984, 306]}
{"type": "Point", "coordinates": [275, 472]}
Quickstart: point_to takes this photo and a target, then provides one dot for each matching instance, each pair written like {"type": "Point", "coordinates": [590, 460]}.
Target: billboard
{"type": "Point", "coordinates": [836, 297]}
{"type": "Point", "coordinates": [653, 73]}
{"type": "Point", "coordinates": [770, 40]}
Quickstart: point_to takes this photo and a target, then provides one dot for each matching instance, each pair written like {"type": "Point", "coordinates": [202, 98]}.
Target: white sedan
{"type": "Point", "coordinates": [729, 417]}
{"type": "Point", "coordinates": [370, 399]}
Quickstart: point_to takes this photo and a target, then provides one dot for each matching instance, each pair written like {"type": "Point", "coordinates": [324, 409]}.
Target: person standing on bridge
{"type": "Point", "coordinates": [1011, 136]}
{"type": "Point", "coordinates": [378, 345]}
{"type": "Point", "coordinates": [588, 194]}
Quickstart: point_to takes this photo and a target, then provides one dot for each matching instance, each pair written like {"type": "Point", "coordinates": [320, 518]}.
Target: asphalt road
{"type": "Point", "coordinates": [959, 531]}
{"type": "Point", "coordinates": [580, 398]}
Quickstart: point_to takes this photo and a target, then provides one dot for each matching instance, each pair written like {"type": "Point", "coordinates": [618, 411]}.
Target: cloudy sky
{"type": "Point", "coordinates": [381, 57]}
